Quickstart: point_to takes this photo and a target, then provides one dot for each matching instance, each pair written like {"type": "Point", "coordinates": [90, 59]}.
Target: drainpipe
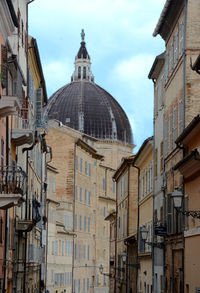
{"type": "Point", "coordinates": [73, 218]}
{"type": "Point", "coordinates": [138, 219]}
{"type": "Point", "coordinates": [184, 61]}
{"type": "Point", "coordinates": [6, 211]}
{"type": "Point", "coordinates": [116, 238]}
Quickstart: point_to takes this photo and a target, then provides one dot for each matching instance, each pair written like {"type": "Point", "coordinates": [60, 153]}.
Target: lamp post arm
{"type": "Point", "coordinates": [194, 214]}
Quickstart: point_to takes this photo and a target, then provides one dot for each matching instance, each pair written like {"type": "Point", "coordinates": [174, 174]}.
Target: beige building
{"type": "Point", "coordinates": [144, 161]}
{"type": "Point", "coordinates": [178, 26]}
{"type": "Point", "coordinates": [126, 261]}
{"type": "Point", "coordinates": [60, 239]}
{"type": "Point", "coordinates": [90, 194]}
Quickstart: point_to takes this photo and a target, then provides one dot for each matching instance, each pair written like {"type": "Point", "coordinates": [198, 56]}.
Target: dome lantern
{"type": "Point", "coordinates": [82, 63]}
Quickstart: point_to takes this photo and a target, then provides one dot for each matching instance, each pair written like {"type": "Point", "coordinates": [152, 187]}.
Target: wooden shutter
{"type": "Point", "coordinates": [4, 71]}
{"type": "Point", "coordinates": [169, 207]}
{"type": "Point", "coordinates": [165, 135]}
{"type": "Point", "coordinates": [38, 107]}
{"type": "Point", "coordinates": [175, 125]}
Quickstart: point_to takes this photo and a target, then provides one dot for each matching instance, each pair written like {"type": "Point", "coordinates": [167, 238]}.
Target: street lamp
{"type": "Point", "coordinates": [144, 233]}
{"type": "Point", "coordinates": [177, 196]}
{"type": "Point", "coordinates": [123, 255]}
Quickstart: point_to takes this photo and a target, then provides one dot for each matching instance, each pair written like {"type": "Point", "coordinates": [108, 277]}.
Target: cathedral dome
{"type": "Point", "coordinates": [85, 106]}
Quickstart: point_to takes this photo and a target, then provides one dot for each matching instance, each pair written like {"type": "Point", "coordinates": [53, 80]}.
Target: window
{"type": "Point", "coordinates": [52, 273]}
{"type": "Point", "coordinates": [53, 216]}
{"type": "Point", "coordinates": [104, 212]}
{"type": "Point", "coordinates": [176, 48]}
{"type": "Point", "coordinates": [85, 197]}
{"type": "Point", "coordinates": [80, 194]}
{"type": "Point", "coordinates": [89, 169]}
{"type": "Point", "coordinates": [84, 251]}
{"type": "Point", "coordinates": [170, 132]}
{"type": "Point", "coordinates": [81, 165]}
{"type": "Point", "coordinates": [75, 222]}
{"type": "Point", "coordinates": [89, 196]}
{"type": "Point", "coordinates": [166, 67]}
{"type": "Point", "coordinates": [83, 285]}
{"type": "Point", "coordinates": [63, 245]}
{"type": "Point", "coordinates": [79, 72]}
{"type": "Point", "coordinates": [171, 57]}
{"type": "Point", "coordinates": [76, 191]}
{"type": "Point", "coordinates": [80, 223]}
{"type": "Point", "coordinates": [180, 117]}
{"type": "Point", "coordinates": [181, 38]}
{"type": "Point", "coordinates": [88, 252]}
{"type": "Point", "coordinates": [53, 247]}
{"type": "Point", "coordinates": [88, 224]}
{"type": "Point", "coordinates": [75, 251]}
{"type": "Point", "coordinates": [175, 125]}
{"type": "Point", "coordinates": [76, 162]}
{"type": "Point", "coordinates": [161, 156]}
{"type": "Point", "coordinates": [114, 185]}
{"type": "Point", "coordinates": [2, 152]}
{"type": "Point", "coordinates": [85, 220]}
{"type": "Point", "coordinates": [156, 163]}
{"type": "Point", "coordinates": [84, 72]}
{"type": "Point", "coordinates": [104, 279]}
{"type": "Point", "coordinates": [85, 167]}
{"type": "Point", "coordinates": [104, 184]}
{"type": "Point", "coordinates": [94, 189]}
{"type": "Point", "coordinates": [79, 252]}
{"type": "Point", "coordinates": [88, 284]}
{"type": "Point", "coordinates": [66, 249]}
{"type": "Point", "coordinates": [56, 247]}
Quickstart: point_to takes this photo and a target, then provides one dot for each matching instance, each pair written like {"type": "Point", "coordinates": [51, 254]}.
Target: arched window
{"type": "Point", "coordinates": [84, 72]}
{"type": "Point", "coordinates": [79, 72]}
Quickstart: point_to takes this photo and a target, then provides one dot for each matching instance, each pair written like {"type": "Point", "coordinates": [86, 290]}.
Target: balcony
{"type": "Point", "coordinates": [12, 187]}
{"type": "Point", "coordinates": [9, 105]}
{"type": "Point", "coordinates": [24, 133]}
{"type": "Point", "coordinates": [34, 216]}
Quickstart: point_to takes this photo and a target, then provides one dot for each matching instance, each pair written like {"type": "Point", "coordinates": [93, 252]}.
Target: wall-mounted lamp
{"type": "Point", "coordinates": [177, 196]}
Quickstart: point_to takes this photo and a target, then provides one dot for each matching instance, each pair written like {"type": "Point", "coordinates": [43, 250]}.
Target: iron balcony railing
{"type": "Point", "coordinates": [12, 181]}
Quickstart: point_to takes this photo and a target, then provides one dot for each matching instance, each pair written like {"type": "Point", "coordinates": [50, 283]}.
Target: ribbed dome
{"type": "Point", "coordinates": [85, 106]}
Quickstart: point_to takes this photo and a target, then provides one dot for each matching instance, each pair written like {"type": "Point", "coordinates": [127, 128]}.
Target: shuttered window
{"type": "Point", "coordinates": [166, 67]}
{"type": "Point", "coordinates": [4, 73]}
{"type": "Point", "coordinates": [38, 107]}
{"type": "Point", "coordinates": [181, 38]}
{"type": "Point", "coordinates": [165, 134]}
{"type": "Point", "coordinates": [176, 48]}
{"type": "Point", "coordinates": [180, 117]}
{"type": "Point", "coordinates": [170, 132]}
{"type": "Point", "coordinates": [175, 125]}
{"type": "Point", "coordinates": [171, 57]}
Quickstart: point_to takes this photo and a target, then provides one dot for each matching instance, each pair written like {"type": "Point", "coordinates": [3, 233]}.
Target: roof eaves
{"type": "Point", "coordinates": [188, 129]}
{"type": "Point", "coordinates": [158, 60]}
{"type": "Point", "coordinates": [143, 146]}
{"type": "Point", "coordinates": [162, 17]}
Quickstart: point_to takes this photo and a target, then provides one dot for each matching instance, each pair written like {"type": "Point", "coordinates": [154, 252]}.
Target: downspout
{"type": "Point", "coordinates": [116, 237]}
{"type": "Point", "coordinates": [184, 102]}
{"type": "Point", "coordinates": [74, 217]}
{"type": "Point", "coordinates": [6, 211]}
{"type": "Point", "coordinates": [138, 219]}
{"type": "Point", "coordinates": [184, 61]}
{"type": "Point", "coordinates": [127, 232]}
{"type": "Point", "coordinates": [153, 220]}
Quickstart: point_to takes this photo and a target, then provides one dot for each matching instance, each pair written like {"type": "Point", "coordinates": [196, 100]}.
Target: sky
{"type": "Point", "coordinates": [118, 35]}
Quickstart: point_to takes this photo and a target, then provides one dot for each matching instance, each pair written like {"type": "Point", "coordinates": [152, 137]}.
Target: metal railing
{"type": "Point", "coordinates": [12, 180]}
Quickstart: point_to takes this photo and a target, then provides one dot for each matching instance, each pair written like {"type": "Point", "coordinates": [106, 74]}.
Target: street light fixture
{"type": "Point", "coordinates": [144, 234]}
{"type": "Point", "coordinates": [177, 196]}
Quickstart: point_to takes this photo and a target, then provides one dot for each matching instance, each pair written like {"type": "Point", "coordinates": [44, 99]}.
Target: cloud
{"type": "Point", "coordinates": [57, 73]}
{"type": "Point", "coordinates": [135, 68]}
